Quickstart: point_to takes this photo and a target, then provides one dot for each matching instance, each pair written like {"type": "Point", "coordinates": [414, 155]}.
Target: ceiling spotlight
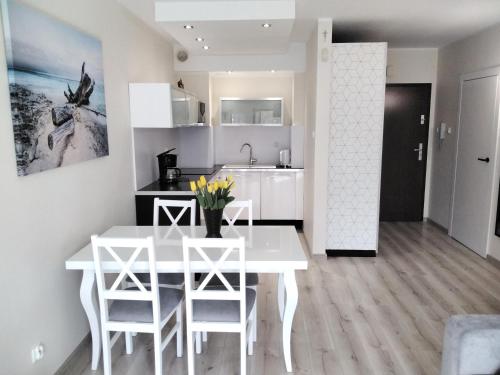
{"type": "Point", "coordinates": [199, 39]}
{"type": "Point", "coordinates": [206, 47]}
{"type": "Point", "coordinates": [188, 27]}
{"type": "Point", "coordinates": [229, 72]}
{"type": "Point", "coordinates": [266, 25]}
{"type": "Point", "coordinates": [273, 71]}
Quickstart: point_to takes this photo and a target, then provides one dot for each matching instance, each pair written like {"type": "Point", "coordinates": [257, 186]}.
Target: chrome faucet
{"type": "Point", "coordinates": [251, 160]}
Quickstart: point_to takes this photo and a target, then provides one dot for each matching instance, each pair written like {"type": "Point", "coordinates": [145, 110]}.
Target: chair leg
{"type": "Point", "coordinates": [243, 352]}
{"type": "Point", "coordinates": [129, 343]}
{"type": "Point", "coordinates": [254, 327]}
{"type": "Point", "coordinates": [158, 352]}
{"type": "Point", "coordinates": [198, 342]}
{"type": "Point", "coordinates": [250, 339]}
{"type": "Point", "coordinates": [205, 336]}
{"type": "Point", "coordinates": [106, 352]}
{"type": "Point", "coordinates": [179, 334]}
{"type": "Point", "coordinates": [190, 352]}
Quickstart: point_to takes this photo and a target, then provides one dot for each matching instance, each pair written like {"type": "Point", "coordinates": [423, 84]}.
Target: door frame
{"type": "Point", "coordinates": [484, 73]}
{"type": "Point", "coordinates": [427, 142]}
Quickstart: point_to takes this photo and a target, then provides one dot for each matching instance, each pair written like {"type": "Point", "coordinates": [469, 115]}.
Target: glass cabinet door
{"type": "Point", "coordinates": [179, 108]}
{"type": "Point", "coordinates": [267, 111]}
{"type": "Point", "coordinates": [192, 106]}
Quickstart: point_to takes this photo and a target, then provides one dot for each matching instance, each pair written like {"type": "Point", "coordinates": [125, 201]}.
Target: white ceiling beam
{"type": "Point", "coordinates": [179, 11]}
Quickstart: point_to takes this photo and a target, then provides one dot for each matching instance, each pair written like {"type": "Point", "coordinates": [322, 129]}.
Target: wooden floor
{"type": "Point", "coordinates": [382, 315]}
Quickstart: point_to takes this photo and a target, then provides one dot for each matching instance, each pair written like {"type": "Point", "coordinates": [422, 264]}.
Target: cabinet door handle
{"type": "Point", "coordinates": [486, 160]}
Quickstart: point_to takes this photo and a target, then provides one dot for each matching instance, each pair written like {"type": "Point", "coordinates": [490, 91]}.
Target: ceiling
{"type": "Point", "coordinates": [402, 23]}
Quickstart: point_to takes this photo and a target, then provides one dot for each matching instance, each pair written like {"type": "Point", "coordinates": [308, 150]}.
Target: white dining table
{"type": "Point", "coordinates": [269, 249]}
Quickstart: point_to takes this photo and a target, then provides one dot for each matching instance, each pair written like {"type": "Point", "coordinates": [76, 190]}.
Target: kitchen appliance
{"type": "Point", "coordinates": [167, 167]}
{"type": "Point", "coordinates": [285, 158]}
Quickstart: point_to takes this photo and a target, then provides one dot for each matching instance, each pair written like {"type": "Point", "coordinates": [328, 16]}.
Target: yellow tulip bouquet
{"type": "Point", "coordinates": [215, 195]}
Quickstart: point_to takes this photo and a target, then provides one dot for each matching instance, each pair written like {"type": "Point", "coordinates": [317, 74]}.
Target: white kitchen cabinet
{"type": "Point", "coordinates": [247, 186]}
{"type": "Point", "coordinates": [275, 194]}
{"type": "Point", "coordinates": [278, 196]}
{"type": "Point", "coordinates": [160, 105]}
{"type": "Point", "coordinates": [150, 105]}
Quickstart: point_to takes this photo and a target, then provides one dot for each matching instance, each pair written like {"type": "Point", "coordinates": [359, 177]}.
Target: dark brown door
{"type": "Point", "coordinates": [404, 156]}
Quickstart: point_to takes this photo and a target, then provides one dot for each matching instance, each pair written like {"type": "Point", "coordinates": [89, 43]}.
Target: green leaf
{"type": "Point", "coordinates": [202, 201]}
{"type": "Point", "coordinates": [209, 200]}
{"type": "Point", "coordinates": [221, 204]}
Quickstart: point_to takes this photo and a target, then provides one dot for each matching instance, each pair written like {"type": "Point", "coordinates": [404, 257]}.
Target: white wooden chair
{"type": "Point", "coordinates": [173, 280]}
{"type": "Point", "coordinates": [252, 279]}
{"type": "Point", "coordinates": [218, 309]}
{"type": "Point", "coordinates": [241, 206]}
{"type": "Point", "coordinates": [136, 309]}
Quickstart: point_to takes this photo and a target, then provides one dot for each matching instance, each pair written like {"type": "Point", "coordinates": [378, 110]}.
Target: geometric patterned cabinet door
{"type": "Point", "coordinates": [357, 95]}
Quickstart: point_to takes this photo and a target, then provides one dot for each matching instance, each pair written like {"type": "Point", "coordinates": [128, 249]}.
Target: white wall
{"type": "Point", "coordinates": [417, 65]}
{"type": "Point", "coordinates": [251, 86]}
{"type": "Point", "coordinates": [294, 60]}
{"type": "Point", "coordinates": [47, 217]}
{"type": "Point", "coordinates": [316, 137]}
{"type": "Point", "coordinates": [475, 53]}
{"type": "Point", "coordinates": [147, 144]}
{"type": "Point", "coordinates": [309, 132]}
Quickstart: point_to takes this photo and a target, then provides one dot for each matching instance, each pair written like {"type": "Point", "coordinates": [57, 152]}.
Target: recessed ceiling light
{"type": "Point", "coordinates": [229, 72]}
{"type": "Point", "coordinates": [266, 25]}
{"type": "Point", "coordinates": [199, 39]}
{"type": "Point", "coordinates": [206, 47]}
{"type": "Point", "coordinates": [273, 71]}
{"type": "Point", "coordinates": [188, 27]}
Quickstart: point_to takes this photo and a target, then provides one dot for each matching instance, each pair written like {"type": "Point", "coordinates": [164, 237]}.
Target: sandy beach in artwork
{"type": "Point", "coordinates": [56, 85]}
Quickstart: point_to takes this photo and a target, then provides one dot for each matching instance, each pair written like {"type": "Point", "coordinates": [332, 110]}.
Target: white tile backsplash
{"type": "Point", "coordinates": [266, 143]}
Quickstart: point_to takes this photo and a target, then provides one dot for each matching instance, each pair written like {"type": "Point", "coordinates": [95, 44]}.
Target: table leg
{"type": "Point", "coordinates": [281, 295]}
{"type": "Point", "coordinates": [90, 307]}
{"type": "Point", "coordinates": [292, 296]}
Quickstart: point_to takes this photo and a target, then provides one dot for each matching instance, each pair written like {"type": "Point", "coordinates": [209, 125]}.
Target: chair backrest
{"type": "Point", "coordinates": [241, 205]}
{"type": "Point", "coordinates": [214, 252]}
{"type": "Point", "coordinates": [166, 204]}
{"type": "Point", "coordinates": [125, 252]}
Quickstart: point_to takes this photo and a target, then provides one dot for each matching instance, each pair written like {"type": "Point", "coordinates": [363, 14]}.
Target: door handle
{"type": "Point", "coordinates": [420, 150]}
{"type": "Point", "coordinates": [486, 160]}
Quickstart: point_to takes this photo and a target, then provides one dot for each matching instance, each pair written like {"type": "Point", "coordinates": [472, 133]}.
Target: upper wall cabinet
{"type": "Point", "coordinates": [160, 105]}
{"type": "Point", "coordinates": [241, 112]}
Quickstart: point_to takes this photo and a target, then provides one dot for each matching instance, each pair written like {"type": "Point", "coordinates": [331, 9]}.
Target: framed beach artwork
{"type": "Point", "coordinates": [56, 86]}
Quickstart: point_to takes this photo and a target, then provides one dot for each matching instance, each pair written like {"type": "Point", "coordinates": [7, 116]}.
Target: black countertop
{"type": "Point", "coordinates": [182, 186]}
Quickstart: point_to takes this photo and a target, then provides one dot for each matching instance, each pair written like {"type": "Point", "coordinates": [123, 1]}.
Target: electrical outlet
{"type": "Point", "coordinates": [37, 353]}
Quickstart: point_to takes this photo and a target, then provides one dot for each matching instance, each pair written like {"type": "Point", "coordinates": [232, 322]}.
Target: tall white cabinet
{"type": "Point", "coordinates": [357, 96]}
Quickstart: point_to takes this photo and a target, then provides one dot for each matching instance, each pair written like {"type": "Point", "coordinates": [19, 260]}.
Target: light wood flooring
{"type": "Point", "coordinates": [382, 315]}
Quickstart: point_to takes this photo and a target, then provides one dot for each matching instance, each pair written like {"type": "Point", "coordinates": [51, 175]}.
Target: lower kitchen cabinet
{"type": "Point", "coordinates": [246, 186]}
{"type": "Point", "coordinates": [275, 195]}
{"type": "Point", "coordinates": [144, 207]}
{"type": "Point", "coordinates": [278, 196]}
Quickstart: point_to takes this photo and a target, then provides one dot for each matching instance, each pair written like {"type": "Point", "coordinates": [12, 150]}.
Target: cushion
{"type": "Point", "coordinates": [252, 279]}
{"type": "Point", "coordinates": [222, 311]}
{"type": "Point", "coordinates": [471, 345]}
{"type": "Point", "coordinates": [142, 311]}
{"type": "Point", "coordinates": [163, 278]}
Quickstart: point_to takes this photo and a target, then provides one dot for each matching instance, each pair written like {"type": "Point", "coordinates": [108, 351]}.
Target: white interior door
{"type": "Point", "coordinates": [471, 211]}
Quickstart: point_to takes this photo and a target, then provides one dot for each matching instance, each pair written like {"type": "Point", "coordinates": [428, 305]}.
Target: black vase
{"type": "Point", "coordinates": [213, 221]}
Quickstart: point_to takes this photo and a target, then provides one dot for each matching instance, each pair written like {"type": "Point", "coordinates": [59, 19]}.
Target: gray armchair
{"type": "Point", "coordinates": [471, 345]}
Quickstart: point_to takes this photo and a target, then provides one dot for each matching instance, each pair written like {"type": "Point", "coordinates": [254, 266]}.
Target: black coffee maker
{"type": "Point", "coordinates": [167, 166]}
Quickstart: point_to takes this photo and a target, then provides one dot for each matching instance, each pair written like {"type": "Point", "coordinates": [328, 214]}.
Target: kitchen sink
{"type": "Point", "coordinates": [246, 166]}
